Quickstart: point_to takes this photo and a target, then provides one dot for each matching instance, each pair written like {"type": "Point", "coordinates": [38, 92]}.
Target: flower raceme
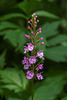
{"type": "Point", "coordinates": [30, 63]}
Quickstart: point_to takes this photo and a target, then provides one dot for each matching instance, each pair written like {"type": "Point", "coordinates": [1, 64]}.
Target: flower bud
{"type": "Point", "coordinates": [32, 32]}
{"type": "Point", "coordinates": [39, 31]}
{"type": "Point", "coordinates": [35, 25]}
{"type": "Point", "coordinates": [28, 21]}
{"type": "Point", "coordinates": [28, 27]}
{"type": "Point", "coordinates": [41, 38]}
{"type": "Point", "coordinates": [42, 43]}
{"type": "Point", "coordinates": [37, 20]}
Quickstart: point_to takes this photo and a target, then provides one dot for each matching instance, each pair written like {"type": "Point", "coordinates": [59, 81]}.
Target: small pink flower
{"type": "Point", "coordinates": [32, 32]}
{"type": "Point", "coordinates": [33, 14]}
{"type": "Point", "coordinates": [41, 38]}
{"type": "Point", "coordinates": [31, 20]}
{"type": "Point", "coordinates": [37, 20]}
{"type": "Point", "coordinates": [42, 43]}
{"type": "Point", "coordinates": [40, 54]}
{"type": "Point", "coordinates": [26, 49]}
{"type": "Point", "coordinates": [29, 75]}
{"type": "Point", "coordinates": [32, 60]}
{"type": "Point", "coordinates": [39, 31]}
{"type": "Point", "coordinates": [25, 61]}
{"type": "Point", "coordinates": [39, 67]}
{"type": "Point", "coordinates": [35, 25]}
{"type": "Point", "coordinates": [27, 36]}
{"type": "Point", "coordinates": [39, 76]}
{"type": "Point", "coordinates": [30, 46]}
{"type": "Point", "coordinates": [28, 27]}
{"type": "Point", "coordinates": [27, 66]}
{"type": "Point", "coordinates": [34, 18]}
{"type": "Point", "coordinates": [28, 21]}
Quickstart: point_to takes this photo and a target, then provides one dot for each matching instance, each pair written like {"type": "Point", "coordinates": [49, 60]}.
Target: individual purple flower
{"type": "Point", "coordinates": [40, 54]}
{"type": "Point", "coordinates": [39, 76]}
{"type": "Point", "coordinates": [29, 75]}
{"type": "Point", "coordinates": [25, 61]}
{"type": "Point", "coordinates": [27, 66]}
{"type": "Point", "coordinates": [30, 46]}
{"type": "Point", "coordinates": [26, 49]}
{"type": "Point", "coordinates": [32, 59]}
{"type": "Point", "coordinates": [39, 67]}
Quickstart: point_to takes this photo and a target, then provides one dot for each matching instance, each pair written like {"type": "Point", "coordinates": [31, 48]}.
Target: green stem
{"type": "Point", "coordinates": [32, 86]}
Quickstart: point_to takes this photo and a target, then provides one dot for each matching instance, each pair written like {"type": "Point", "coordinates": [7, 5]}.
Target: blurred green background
{"type": "Point", "coordinates": [14, 15]}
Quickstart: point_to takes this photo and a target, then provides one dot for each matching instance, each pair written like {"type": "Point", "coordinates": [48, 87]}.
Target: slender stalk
{"type": "Point", "coordinates": [33, 53]}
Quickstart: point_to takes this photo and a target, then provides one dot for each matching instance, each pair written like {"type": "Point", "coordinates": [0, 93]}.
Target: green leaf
{"type": "Point", "coordinates": [50, 29]}
{"type": "Point", "coordinates": [28, 6]}
{"type": "Point", "coordinates": [2, 59]}
{"type": "Point", "coordinates": [15, 37]}
{"type": "Point", "coordinates": [65, 98]}
{"type": "Point", "coordinates": [57, 40]}
{"type": "Point", "coordinates": [50, 89]}
{"type": "Point", "coordinates": [46, 14]}
{"type": "Point", "coordinates": [13, 99]}
{"type": "Point", "coordinates": [14, 80]}
{"type": "Point", "coordinates": [64, 44]}
{"type": "Point", "coordinates": [58, 53]}
{"type": "Point", "coordinates": [6, 25]}
{"type": "Point", "coordinates": [12, 15]}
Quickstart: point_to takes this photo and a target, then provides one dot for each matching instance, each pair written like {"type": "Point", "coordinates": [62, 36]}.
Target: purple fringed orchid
{"type": "Point", "coordinates": [31, 63]}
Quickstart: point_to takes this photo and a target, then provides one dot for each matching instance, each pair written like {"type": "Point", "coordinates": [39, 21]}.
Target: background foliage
{"type": "Point", "coordinates": [14, 15]}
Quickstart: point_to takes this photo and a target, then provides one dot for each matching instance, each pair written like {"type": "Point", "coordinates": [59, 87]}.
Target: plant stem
{"type": "Point", "coordinates": [33, 53]}
{"type": "Point", "coordinates": [32, 86]}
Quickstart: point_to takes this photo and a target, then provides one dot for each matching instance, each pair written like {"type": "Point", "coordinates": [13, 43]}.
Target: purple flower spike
{"type": "Point", "coordinates": [29, 75]}
{"type": "Point", "coordinates": [39, 67]}
{"type": "Point", "coordinates": [30, 46]}
{"type": "Point", "coordinates": [32, 60]}
{"type": "Point", "coordinates": [39, 76]}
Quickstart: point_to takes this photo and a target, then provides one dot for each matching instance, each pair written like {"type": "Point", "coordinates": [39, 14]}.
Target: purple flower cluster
{"type": "Point", "coordinates": [30, 62]}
